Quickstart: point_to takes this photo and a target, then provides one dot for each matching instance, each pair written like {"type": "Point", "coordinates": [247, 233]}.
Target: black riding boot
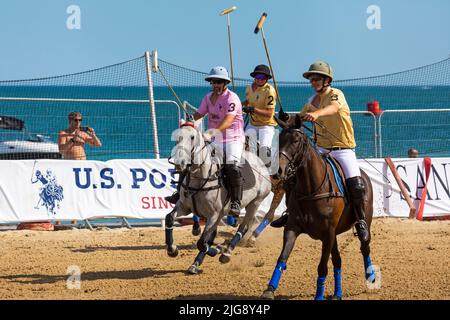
{"type": "Point", "coordinates": [281, 221]}
{"type": "Point", "coordinates": [235, 182]}
{"type": "Point", "coordinates": [176, 195]}
{"type": "Point", "coordinates": [356, 190]}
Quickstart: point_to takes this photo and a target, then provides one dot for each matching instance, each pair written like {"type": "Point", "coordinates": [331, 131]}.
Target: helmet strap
{"type": "Point", "coordinates": [325, 85]}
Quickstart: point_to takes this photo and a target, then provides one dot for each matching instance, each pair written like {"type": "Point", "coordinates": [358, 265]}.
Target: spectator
{"type": "Point", "coordinates": [413, 153]}
{"type": "Point", "coordinates": [71, 141]}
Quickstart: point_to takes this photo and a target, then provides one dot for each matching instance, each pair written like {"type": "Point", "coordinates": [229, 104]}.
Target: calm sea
{"type": "Point", "coordinates": [126, 131]}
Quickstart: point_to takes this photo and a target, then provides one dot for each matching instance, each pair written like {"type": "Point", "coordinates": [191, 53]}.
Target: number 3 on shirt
{"type": "Point", "coordinates": [232, 107]}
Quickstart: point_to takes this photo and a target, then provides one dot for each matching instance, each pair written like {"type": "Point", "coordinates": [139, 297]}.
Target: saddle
{"type": "Point", "coordinates": [338, 174]}
{"type": "Point", "coordinates": [249, 180]}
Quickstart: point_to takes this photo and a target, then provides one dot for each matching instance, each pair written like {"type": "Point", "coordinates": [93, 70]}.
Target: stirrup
{"type": "Point", "coordinates": [280, 222]}
{"type": "Point", "coordinates": [235, 210]}
{"type": "Point", "coordinates": [173, 198]}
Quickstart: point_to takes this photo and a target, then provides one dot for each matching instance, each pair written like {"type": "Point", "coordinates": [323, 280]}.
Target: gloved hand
{"type": "Point", "coordinates": [283, 116]}
{"type": "Point", "coordinates": [209, 134]}
{"type": "Point", "coordinates": [248, 109]}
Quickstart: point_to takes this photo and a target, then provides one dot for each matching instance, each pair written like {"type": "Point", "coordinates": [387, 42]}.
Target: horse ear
{"type": "Point", "coordinates": [298, 121]}
{"type": "Point", "coordinates": [282, 124]}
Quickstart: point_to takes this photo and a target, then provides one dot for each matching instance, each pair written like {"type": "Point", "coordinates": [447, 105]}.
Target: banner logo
{"type": "Point", "coordinates": [50, 192]}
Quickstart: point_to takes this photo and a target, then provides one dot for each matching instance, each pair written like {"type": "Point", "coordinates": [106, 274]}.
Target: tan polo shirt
{"type": "Point", "coordinates": [338, 128]}
{"type": "Point", "coordinates": [262, 98]}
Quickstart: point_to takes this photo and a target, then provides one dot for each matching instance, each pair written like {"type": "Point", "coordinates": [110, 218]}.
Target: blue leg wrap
{"type": "Point", "coordinates": [275, 280]}
{"type": "Point", "coordinates": [196, 218]}
{"type": "Point", "coordinates": [320, 288]}
{"type": "Point", "coordinates": [261, 227]}
{"type": "Point", "coordinates": [237, 237]}
{"type": "Point", "coordinates": [368, 269]}
{"type": "Point", "coordinates": [212, 251]}
{"type": "Point", "coordinates": [231, 221]}
{"type": "Point", "coordinates": [337, 283]}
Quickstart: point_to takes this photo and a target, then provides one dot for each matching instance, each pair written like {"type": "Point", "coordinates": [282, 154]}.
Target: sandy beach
{"type": "Point", "coordinates": [413, 256]}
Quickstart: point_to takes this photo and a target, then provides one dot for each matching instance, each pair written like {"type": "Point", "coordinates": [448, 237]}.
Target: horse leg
{"type": "Point", "coordinates": [242, 230]}
{"type": "Point", "coordinates": [337, 264]}
{"type": "Point", "coordinates": [204, 244]}
{"type": "Point", "coordinates": [172, 249]}
{"type": "Point", "coordinates": [322, 269]}
{"type": "Point", "coordinates": [196, 229]}
{"type": "Point", "coordinates": [368, 268]}
{"type": "Point", "coordinates": [289, 237]}
{"type": "Point", "coordinates": [268, 218]}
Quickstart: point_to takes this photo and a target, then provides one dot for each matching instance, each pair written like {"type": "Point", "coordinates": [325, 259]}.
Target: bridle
{"type": "Point", "coordinates": [292, 167]}
{"type": "Point", "coordinates": [191, 167]}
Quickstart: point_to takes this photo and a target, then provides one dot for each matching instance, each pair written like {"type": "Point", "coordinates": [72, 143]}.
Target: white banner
{"type": "Point", "coordinates": [76, 190]}
{"type": "Point", "coordinates": [388, 200]}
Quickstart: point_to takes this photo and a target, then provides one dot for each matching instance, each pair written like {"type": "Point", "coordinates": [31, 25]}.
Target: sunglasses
{"type": "Point", "coordinates": [216, 81]}
{"type": "Point", "coordinates": [313, 79]}
{"type": "Point", "coordinates": [77, 120]}
{"type": "Point", "coordinates": [261, 77]}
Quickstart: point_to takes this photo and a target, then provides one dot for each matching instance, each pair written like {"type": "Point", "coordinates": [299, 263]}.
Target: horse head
{"type": "Point", "coordinates": [292, 147]}
{"type": "Point", "coordinates": [188, 146]}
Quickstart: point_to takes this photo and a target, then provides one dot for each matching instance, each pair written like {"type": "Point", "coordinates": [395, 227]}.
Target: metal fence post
{"type": "Point", "coordinates": [152, 104]}
{"type": "Point", "coordinates": [379, 135]}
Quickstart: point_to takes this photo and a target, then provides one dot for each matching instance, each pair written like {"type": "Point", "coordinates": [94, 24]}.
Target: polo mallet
{"type": "Point", "coordinates": [227, 12]}
{"type": "Point", "coordinates": [259, 26]}
{"type": "Point", "coordinates": [155, 69]}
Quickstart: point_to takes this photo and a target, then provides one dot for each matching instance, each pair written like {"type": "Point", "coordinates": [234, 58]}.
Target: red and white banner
{"type": "Point", "coordinates": [427, 182]}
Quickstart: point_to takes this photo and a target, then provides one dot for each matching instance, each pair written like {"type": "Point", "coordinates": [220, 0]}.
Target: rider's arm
{"type": "Point", "coordinates": [329, 110]}
{"type": "Point", "coordinates": [268, 113]}
{"type": "Point", "coordinates": [226, 123]}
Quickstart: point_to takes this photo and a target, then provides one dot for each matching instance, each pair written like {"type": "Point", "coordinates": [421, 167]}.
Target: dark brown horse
{"type": "Point", "coordinates": [316, 207]}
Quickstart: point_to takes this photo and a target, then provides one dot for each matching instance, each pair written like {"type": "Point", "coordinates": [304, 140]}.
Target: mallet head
{"type": "Point", "coordinates": [261, 22]}
{"type": "Point", "coordinates": [227, 11]}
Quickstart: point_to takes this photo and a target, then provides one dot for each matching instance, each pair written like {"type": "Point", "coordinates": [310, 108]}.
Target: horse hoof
{"type": "Point", "coordinates": [221, 248]}
{"type": "Point", "coordinates": [268, 295]}
{"type": "Point", "coordinates": [334, 297]}
{"type": "Point", "coordinates": [224, 258]}
{"type": "Point", "coordinates": [193, 269]}
{"type": "Point", "coordinates": [251, 243]}
{"type": "Point", "coordinates": [172, 252]}
{"type": "Point", "coordinates": [196, 230]}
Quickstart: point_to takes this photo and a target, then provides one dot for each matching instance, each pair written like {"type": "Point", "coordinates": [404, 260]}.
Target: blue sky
{"type": "Point", "coordinates": [37, 43]}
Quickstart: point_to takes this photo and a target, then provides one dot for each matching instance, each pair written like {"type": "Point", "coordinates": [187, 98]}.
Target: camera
{"type": "Point", "coordinates": [85, 129]}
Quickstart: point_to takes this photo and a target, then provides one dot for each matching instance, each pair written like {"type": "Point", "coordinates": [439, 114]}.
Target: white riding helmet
{"type": "Point", "coordinates": [218, 73]}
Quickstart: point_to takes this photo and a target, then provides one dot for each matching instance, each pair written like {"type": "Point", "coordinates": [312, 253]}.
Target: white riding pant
{"type": "Point", "coordinates": [347, 160]}
{"type": "Point", "coordinates": [233, 151]}
{"type": "Point", "coordinates": [263, 134]}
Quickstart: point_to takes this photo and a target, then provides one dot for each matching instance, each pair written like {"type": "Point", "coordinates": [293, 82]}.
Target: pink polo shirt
{"type": "Point", "coordinates": [227, 103]}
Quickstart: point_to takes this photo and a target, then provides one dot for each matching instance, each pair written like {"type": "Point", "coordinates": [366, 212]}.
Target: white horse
{"type": "Point", "coordinates": [203, 192]}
